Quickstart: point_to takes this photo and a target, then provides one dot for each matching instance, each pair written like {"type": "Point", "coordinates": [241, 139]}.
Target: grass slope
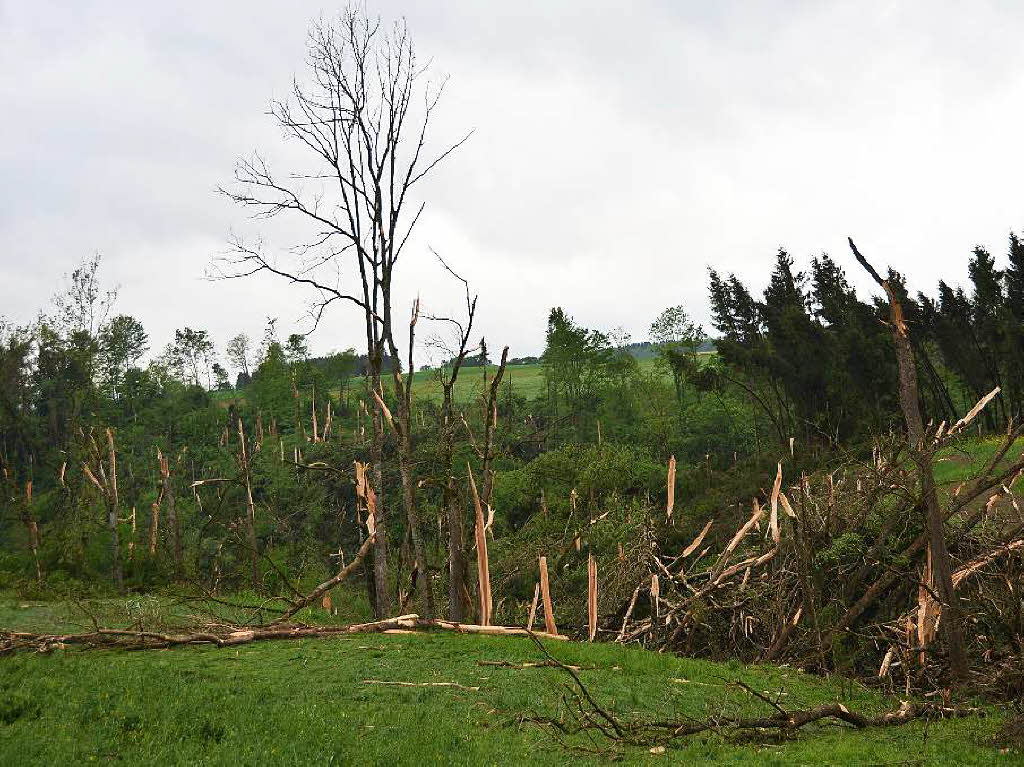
{"type": "Point", "coordinates": [306, 701]}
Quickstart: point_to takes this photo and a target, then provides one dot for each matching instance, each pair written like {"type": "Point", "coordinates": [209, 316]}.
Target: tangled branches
{"type": "Point", "coordinates": [590, 716]}
{"type": "Point", "coordinates": [834, 572]}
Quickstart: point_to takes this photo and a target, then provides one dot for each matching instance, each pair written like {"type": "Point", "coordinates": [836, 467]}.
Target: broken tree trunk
{"type": "Point", "coordinates": [112, 500]}
{"type": "Point", "coordinates": [381, 594]}
{"type": "Point", "coordinates": [33, 530]}
{"type": "Point", "coordinates": [457, 564]}
{"type": "Point", "coordinates": [591, 598]}
{"type": "Point", "coordinates": [11, 642]}
{"type": "Point", "coordinates": [952, 626]}
{"type": "Point", "coordinates": [250, 512]}
{"type": "Point", "coordinates": [172, 515]}
{"type": "Point", "coordinates": [482, 565]}
{"type": "Point", "coordinates": [154, 528]}
{"type": "Point", "coordinates": [545, 591]}
{"type": "Point", "coordinates": [533, 607]}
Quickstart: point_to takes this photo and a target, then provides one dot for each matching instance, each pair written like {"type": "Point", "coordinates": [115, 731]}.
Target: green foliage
{"type": "Point", "coordinates": [594, 472]}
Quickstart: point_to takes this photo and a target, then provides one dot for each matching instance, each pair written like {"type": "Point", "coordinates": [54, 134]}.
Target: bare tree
{"type": "Point", "coordinates": [361, 117]}
{"type": "Point", "coordinates": [458, 566]}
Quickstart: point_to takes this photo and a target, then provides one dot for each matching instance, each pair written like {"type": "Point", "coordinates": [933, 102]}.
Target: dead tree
{"type": "Point", "coordinates": [942, 568]}
{"type": "Point", "coordinates": [458, 562]}
{"type": "Point", "coordinates": [362, 119]}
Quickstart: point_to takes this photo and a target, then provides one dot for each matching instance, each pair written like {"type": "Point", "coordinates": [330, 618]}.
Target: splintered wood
{"type": "Point", "coordinates": [482, 565]}
{"type": "Point", "coordinates": [533, 606]}
{"type": "Point", "coordinates": [671, 482]}
{"type": "Point", "coordinates": [545, 591]}
{"type": "Point", "coordinates": [591, 597]}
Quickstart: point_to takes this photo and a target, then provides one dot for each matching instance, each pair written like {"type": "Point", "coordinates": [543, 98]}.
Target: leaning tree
{"type": "Point", "coordinates": [360, 117]}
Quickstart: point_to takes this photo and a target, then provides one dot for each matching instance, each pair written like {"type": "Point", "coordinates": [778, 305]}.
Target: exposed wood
{"type": "Point", "coordinates": [29, 520]}
{"type": "Point", "coordinates": [533, 606]}
{"type": "Point", "coordinates": [695, 544]}
{"type": "Point", "coordinates": [455, 685]}
{"type": "Point", "coordinates": [774, 519]}
{"type": "Point", "coordinates": [482, 564]}
{"type": "Point", "coordinates": [545, 591]}
{"type": "Point", "coordinates": [952, 625]}
{"type": "Point", "coordinates": [154, 528]}
{"type": "Point", "coordinates": [671, 487]}
{"type": "Point", "coordinates": [591, 598]}
{"type": "Point", "coordinates": [250, 512]}
{"type": "Point", "coordinates": [628, 615]}
{"type": "Point", "coordinates": [221, 636]}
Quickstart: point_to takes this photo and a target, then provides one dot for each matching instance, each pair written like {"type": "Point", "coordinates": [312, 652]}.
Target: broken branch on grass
{"type": "Point", "coordinates": [455, 685]}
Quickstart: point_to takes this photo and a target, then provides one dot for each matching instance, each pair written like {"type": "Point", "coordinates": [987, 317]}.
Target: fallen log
{"type": "Point", "coordinates": [454, 685]}
{"type": "Point", "coordinates": [229, 636]}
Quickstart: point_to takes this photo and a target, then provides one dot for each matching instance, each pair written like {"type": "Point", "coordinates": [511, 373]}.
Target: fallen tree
{"type": "Point", "coordinates": [589, 715]}
{"type": "Point", "coordinates": [224, 635]}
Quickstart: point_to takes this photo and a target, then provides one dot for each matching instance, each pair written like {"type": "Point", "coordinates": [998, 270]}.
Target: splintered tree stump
{"type": "Point", "coordinates": [545, 590]}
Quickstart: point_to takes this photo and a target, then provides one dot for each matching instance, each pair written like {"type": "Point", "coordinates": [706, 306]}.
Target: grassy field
{"type": "Point", "coordinates": [524, 380]}
{"type": "Point", "coordinates": [312, 701]}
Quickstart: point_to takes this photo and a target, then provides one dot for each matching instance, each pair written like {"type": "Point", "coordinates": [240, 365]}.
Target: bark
{"type": "Point", "coordinates": [21, 641]}
{"type": "Point", "coordinates": [545, 591]}
{"type": "Point", "coordinates": [423, 584]}
{"type": "Point", "coordinates": [482, 563]}
{"type": "Point", "coordinates": [29, 520]}
{"type": "Point", "coordinates": [172, 520]}
{"type": "Point", "coordinates": [380, 596]}
{"type": "Point", "coordinates": [952, 623]}
{"type": "Point", "coordinates": [154, 529]}
{"type": "Point", "coordinates": [457, 562]}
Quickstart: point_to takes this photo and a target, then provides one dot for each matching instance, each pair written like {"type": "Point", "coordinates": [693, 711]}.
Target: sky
{"type": "Point", "coordinates": [618, 150]}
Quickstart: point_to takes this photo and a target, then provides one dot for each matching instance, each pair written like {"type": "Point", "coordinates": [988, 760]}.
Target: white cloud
{"type": "Point", "coordinates": [618, 150]}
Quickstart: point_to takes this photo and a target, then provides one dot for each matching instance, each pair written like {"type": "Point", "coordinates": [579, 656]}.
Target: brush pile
{"type": "Point", "coordinates": [834, 573]}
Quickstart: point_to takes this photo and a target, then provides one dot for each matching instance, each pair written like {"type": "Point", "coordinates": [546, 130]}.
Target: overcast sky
{"type": "Point", "coordinates": [619, 149]}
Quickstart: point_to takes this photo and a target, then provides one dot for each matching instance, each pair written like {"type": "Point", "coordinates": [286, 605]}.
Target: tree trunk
{"type": "Point", "coordinates": [952, 623]}
{"type": "Point", "coordinates": [423, 583]}
{"type": "Point", "coordinates": [115, 546]}
{"type": "Point", "coordinates": [112, 502]}
{"type": "Point", "coordinates": [250, 513]}
{"type": "Point", "coordinates": [457, 565]}
{"type": "Point", "coordinates": [172, 523]}
{"type": "Point", "coordinates": [380, 596]}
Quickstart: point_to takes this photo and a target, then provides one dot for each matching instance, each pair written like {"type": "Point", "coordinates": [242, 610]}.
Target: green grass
{"type": "Point", "coordinates": [293, 702]}
{"type": "Point", "coordinates": [958, 464]}
{"type": "Point", "coordinates": [525, 381]}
